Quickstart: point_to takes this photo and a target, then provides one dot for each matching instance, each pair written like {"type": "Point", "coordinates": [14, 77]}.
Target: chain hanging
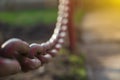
{"type": "Point", "coordinates": [17, 55]}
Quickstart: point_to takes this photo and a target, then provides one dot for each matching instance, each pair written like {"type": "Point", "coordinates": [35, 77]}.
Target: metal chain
{"type": "Point", "coordinates": [17, 55]}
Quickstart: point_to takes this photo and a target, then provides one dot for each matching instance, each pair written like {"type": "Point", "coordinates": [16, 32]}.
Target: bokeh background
{"type": "Point", "coordinates": [97, 24]}
{"type": "Point", "coordinates": [34, 21]}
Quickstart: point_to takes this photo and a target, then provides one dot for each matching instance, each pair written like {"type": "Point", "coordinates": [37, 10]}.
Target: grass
{"type": "Point", "coordinates": [78, 67]}
{"type": "Point", "coordinates": [29, 17]}
{"type": "Point", "coordinates": [77, 70]}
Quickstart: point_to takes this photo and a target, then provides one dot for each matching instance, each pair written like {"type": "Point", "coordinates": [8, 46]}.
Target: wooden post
{"type": "Point", "coordinates": [71, 27]}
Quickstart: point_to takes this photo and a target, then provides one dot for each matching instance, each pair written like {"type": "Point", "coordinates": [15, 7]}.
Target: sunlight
{"type": "Point", "coordinates": [115, 3]}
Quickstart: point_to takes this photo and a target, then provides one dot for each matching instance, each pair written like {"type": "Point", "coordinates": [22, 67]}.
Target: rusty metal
{"type": "Point", "coordinates": [17, 55]}
{"type": "Point", "coordinates": [71, 26]}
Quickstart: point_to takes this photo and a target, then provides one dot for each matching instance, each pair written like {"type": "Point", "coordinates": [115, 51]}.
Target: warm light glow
{"type": "Point", "coordinates": [101, 4]}
{"type": "Point", "coordinates": [115, 3]}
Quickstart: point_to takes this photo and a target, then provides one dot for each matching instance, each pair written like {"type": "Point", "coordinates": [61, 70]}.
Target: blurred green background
{"type": "Point", "coordinates": [34, 20]}
{"type": "Point", "coordinates": [28, 17]}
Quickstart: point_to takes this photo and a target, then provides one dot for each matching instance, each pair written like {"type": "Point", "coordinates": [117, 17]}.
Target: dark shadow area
{"type": "Point", "coordinates": [39, 32]}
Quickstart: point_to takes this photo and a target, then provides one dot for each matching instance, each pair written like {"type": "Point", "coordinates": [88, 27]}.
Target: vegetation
{"type": "Point", "coordinates": [75, 65]}
{"type": "Point", "coordinates": [29, 17]}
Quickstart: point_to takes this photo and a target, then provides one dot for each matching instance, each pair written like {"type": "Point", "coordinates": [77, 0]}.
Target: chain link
{"type": "Point", "coordinates": [17, 55]}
